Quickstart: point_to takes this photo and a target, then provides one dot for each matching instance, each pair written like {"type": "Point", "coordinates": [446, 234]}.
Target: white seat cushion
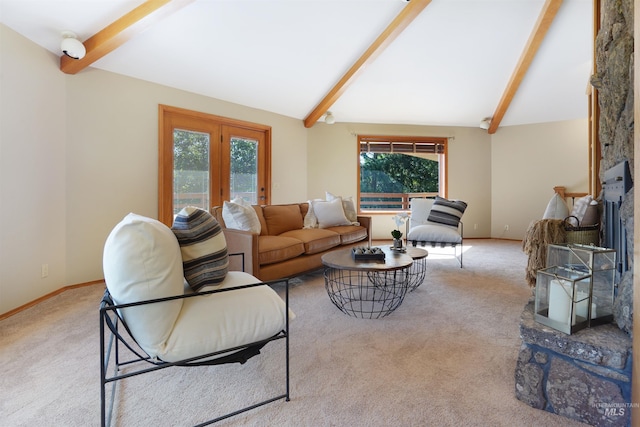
{"type": "Point", "coordinates": [225, 320]}
{"type": "Point", "coordinates": [434, 233]}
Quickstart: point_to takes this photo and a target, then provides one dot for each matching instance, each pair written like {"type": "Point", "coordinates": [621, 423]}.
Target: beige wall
{"type": "Point", "coordinates": [32, 171]}
{"type": "Point", "coordinates": [79, 152]}
{"type": "Point", "coordinates": [112, 162]}
{"type": "Point", "coordinates": [527, 162]}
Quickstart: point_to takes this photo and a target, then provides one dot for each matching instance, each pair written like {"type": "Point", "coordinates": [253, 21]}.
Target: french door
{"type": "Point", "coordinates": [205, 160]}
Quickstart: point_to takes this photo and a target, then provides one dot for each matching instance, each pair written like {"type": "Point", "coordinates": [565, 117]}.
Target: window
{"type": "Point", "coordinates": [205, 159]}
{"type": "Point", "coordinates": [393, 170]}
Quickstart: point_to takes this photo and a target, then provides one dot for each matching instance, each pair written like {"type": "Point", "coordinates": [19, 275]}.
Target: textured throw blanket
{"type": "Point", "coordinates": [540, 234]}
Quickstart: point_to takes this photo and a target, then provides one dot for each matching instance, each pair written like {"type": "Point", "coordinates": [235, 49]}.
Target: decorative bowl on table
{"type": "Point", "coordinates": [363, 253]}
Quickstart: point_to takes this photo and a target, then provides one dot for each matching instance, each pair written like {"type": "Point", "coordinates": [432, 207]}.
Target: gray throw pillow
{"type": "Point", "coordinates": [203, 246]}
{"type": "Point", "coordinates": [447, 212]}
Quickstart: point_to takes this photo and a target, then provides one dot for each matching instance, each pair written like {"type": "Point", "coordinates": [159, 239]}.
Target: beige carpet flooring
{"type": "Point", "coordinates": [445, 357]}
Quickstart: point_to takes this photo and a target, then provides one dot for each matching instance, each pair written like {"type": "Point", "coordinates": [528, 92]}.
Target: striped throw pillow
{"type": "Point", "coordinates": [446, 212]}
{"type": "Point", "coordinates": [204, 249]}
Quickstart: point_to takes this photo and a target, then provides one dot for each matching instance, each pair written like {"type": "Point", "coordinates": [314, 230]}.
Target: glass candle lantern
{"type": "Point", "coordinates": [598, 262]}
{"type": "Point", "coordinates": [563, 299]}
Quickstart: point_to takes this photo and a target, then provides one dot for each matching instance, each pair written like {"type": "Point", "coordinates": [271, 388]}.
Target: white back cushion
{"type": "Point", "coordinates": [142, 261]}
{"type": "Point", "coordinates": [420, 209]}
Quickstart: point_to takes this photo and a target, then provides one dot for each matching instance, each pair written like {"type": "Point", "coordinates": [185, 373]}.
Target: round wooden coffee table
{"type": "Point", "coordinates": [367, 289]}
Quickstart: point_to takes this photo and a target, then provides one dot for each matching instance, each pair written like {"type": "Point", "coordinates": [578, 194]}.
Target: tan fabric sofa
{"type": "Point", "coordinates": [284, 248]}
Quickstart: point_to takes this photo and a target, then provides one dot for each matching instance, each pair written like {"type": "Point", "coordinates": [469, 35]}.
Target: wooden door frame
{"type": "Point", "coordinates": [165, 154]}
{"type": "Point", "coordinates": [228, 132]}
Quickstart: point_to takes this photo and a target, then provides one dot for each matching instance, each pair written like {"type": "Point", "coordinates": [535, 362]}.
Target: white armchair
{"type": "Point", "coordinates": [171, 302]}
{"type": "Point", "coordinates": [436, 222]}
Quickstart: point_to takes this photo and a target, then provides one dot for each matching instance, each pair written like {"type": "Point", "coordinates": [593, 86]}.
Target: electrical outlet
{"type": "Point", "coordinates": [506, 227]}
{"type": "Point", "coordinates": [475, 226]}
{"type": "Point", "coordinates": [45, 270]}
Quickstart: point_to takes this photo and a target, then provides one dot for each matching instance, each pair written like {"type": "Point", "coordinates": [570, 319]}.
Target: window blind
{"type": "Point", "coordinates": [402, 147]}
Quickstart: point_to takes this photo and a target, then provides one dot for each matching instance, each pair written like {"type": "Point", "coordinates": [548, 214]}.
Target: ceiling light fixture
{"type": "Point", "coordinates": [485, 123]}
{"type": "Point", "coordinates": [329, 119]}
{"type": "Point", "coordinates": [71, 46]}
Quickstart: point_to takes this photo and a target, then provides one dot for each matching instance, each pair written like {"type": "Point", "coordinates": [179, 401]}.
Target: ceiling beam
{"type": "Point", "coordinates": [402, 21]}
{"type": "Point", "coordinates": [120, 31]}
{"type": "Point", "coordinates": [547, 15]}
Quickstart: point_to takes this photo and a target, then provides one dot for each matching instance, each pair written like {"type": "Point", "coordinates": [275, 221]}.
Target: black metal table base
{"type": "Point", "coordinates": [366, 294]}
{"type": "Point", "coordinates": [417, 273]}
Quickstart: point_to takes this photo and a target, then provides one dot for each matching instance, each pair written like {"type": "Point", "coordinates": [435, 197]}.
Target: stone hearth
{"type": "Point", "coordinates": [585, 376]}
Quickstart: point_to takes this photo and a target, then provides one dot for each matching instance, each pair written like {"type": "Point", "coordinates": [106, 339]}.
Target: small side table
{"type": "Point", "coordinates": [418, 270]}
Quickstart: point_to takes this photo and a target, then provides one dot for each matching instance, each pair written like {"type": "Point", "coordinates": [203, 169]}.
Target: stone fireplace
{"type": "Point", "coordinates": [584, 376]}
{"type": "Point", "coordinates": [587, 376]}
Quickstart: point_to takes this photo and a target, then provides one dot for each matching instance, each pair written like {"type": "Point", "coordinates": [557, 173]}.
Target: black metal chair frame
{"type": "Point", "coordinates": [110, 346]}
{"type": "Point", "coordinates": [444, 245]}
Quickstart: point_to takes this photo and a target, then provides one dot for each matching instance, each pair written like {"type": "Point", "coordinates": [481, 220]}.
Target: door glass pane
{"type": "Point", "coordinates": [190, 169]}
{"type": "Point", "coordinates": [244, 169]}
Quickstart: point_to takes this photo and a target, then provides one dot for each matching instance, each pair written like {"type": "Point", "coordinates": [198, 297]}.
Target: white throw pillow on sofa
{"type": "Point", "coordinates": [310, 220]}
{"type": "Point", "coordinates": [238, 214]}
{"type": "Point", "coordinates": [348, 206]}
{"type": "Point", "coordinates": [330, 214]}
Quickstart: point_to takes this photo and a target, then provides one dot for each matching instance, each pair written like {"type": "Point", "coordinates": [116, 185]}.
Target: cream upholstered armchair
{"type": "Point", "coordinates": [171, 301]}
{"type": "Point", "coordinates": [436, 222]}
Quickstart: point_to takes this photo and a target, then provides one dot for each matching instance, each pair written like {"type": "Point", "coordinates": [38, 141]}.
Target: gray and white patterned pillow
{"type": "Point", "coordinates": [203, 246]}
{"type": "Point", "coordinates": [447, 212]}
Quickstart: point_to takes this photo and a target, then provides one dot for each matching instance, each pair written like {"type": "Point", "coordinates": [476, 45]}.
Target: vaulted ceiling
{"type": "Point", "coordinates": [425, 62]}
